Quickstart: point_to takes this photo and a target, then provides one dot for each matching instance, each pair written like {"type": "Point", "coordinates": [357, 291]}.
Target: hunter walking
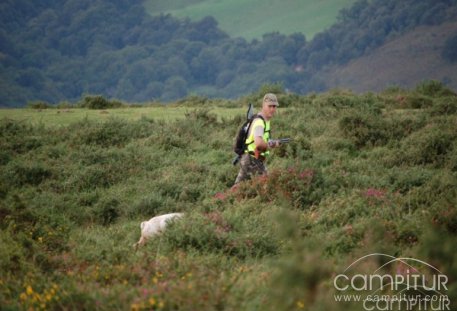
{"type": "Point", "coordinates": [258, 141]}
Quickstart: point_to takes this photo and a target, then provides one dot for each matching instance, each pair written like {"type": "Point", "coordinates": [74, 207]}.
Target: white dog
{"type": "Point", "coordinates": [155, 226]}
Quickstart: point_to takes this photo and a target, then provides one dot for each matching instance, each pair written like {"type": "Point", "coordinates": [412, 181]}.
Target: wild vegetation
{"type": "Point", "coordinates": [59, 50]}
{"type": "Point", "coordinates": [365, 173]}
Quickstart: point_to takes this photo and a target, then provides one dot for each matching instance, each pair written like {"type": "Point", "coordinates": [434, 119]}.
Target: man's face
{"type": "Point", "coordinates": [269, 109]}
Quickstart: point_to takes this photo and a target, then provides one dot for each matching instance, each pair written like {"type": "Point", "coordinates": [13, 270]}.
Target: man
{"type": "Point", "coordinates": [258, 141]}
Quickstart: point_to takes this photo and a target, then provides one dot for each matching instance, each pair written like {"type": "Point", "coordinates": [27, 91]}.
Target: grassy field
{"type": "Point", "coordinates": [64, 117]}
{"type": "Point", "coordinates": [365, 174]}
{"type": "Point", "coordinates": [253, 18]}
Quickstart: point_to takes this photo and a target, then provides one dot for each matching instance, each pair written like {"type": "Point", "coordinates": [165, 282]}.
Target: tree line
{"type": "Point", "coordinates": [55, 50]}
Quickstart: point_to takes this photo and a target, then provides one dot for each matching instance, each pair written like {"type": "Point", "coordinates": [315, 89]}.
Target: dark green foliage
{"type": "Point", "coordinates": [216, 232]}
{"type": "Point", "coordinates": [59, 50]}
{"type": "Point", "coordinates": [428, 146]}
{"type": "Point", "coordinates": [114, 132]}
{"type": "Point", "coordinates": [438, 192]}
{"type": "Point", "coordinates": [99, 102]}
{"type": "Point", "coordinates": [20, 174]}
{"type": "Point", "coordinates": [18, 137]}
{"type": "Point", "coordinates": [38, 105]}
{"type": "Point", "coordinates": [439, 245]}
{"type": "Point", "coordinates": [445, 106]}
{"type": "Point", "coordinates": [434, 88]}
{"type": "Point", "coordinates": [364, 129]}
{"type": "Point", "coordinates": [416, 101]}
{"type": "Point", "coordinates": [152, 204]}
{"type": "Point", "coordinates": [107, 211]}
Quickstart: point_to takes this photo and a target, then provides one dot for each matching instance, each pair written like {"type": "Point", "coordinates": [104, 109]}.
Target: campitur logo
{"type": "Point", "coordinates": [384, 282]}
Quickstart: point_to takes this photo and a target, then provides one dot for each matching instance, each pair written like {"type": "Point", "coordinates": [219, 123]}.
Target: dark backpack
{"type": "Point", "coordinates": [243, 132]}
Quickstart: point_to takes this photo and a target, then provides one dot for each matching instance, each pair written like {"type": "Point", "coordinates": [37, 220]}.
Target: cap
{"type": "Point", "coordinates": [271, 99]}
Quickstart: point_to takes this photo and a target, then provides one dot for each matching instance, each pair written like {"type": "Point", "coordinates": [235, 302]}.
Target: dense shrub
{"type": "Point", "coordinates": [444, 106]}
{"type": "Point", "coordinates": [107, 211]}
{"type": "Point", "coordinates": [212, 232]}
{"type": "Point", "coordinates": [439, 191]}
{"type": "Point", "coordinates": [99, 102]}
{"type": "Point", "coordinates": [113, 132]}
{"type": "Point", "coordinates": [428, 146]}
{"type": "Point", "coordinates": [414, 101]}
{"type": "Point", "coordinates": [364, 129]}
{"type": "Point", "coordinates": [20, 137]}
{"type": "Point", "coordinates": [433, 88]}
{"type": "Point", "coordinates": [299, 148]}
{"type": "Point", "coordinates": [38, 105]}
{"type": "Point", "coordinates": [301, 187]}
{"type": "Point", "coordinates": [20, 174]}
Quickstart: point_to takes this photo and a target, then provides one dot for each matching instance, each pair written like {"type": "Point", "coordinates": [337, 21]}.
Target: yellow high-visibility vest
{"type": "Point", "coordinates": [266, 135]}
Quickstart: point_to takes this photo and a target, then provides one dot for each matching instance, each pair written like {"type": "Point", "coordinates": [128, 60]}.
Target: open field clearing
{"type": "Point", "coordinates": [64, 117]}
{"type": "Point", "coordinates": [251, 19]}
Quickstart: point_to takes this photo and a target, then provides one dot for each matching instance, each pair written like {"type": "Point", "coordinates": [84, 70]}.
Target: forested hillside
{"type": "Point", "coordinates": [59, 50]}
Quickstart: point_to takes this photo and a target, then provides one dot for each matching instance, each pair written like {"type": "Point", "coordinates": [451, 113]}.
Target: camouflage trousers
{"type": "Point", "coordinates": [250, 167]}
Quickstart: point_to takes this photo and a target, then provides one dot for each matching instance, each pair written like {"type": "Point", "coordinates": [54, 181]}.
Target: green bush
{"type": "Point", "coordinates": [20, 174]}
{"type": "Point", "coordinates": [364, 129]}
{"type": "Point", "coordinates": [149, 206]}
{"type": "Point", "coordinates": [428, 146]}
{"type": "Point", "coordinates": [434, 88]}
{"type": "Point", "coordinates": [99, 102]}
{"type": "Point", "coordinates": [107, 211]}
{"type": "Point", "coordinates": [444, 106]}
{"type": "Point", "coordinates": [20, 137]}
{"type": "Point", "coordinates": [438, 246]}
{"type": "Point", "coordinates": [405, 180]}
{"type": "Point", "coordinates": [39, 105]}
{"type": "Point", "coordinates": [414, 101]}
{"type": "Point", "coordinates": [299, 148]}
{"type": "Point", "coordinates": [113, 132]}
{"type": "Point", "coordinates": [213, 232]}
{"type": "Point", "coordinates": [300, 187]}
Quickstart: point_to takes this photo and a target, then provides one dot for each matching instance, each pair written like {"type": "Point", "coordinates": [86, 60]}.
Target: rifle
{"type": "Point", "coordinates": [272, 142]}
{"type": "Point", "coordinates": [280, 140]}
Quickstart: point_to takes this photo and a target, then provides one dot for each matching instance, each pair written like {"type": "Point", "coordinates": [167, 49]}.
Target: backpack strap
{"type": "Point", "coordinates": [257, 116]}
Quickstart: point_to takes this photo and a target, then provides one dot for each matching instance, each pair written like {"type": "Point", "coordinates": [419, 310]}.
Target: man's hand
{"type": "Point", "coordinates": [273, 143]}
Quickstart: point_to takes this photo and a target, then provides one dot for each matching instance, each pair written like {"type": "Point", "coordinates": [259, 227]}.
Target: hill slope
{"type": "Point", "coordinates": [251, 19]}
{"type": "Point", "coordinates": [404, 61]}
